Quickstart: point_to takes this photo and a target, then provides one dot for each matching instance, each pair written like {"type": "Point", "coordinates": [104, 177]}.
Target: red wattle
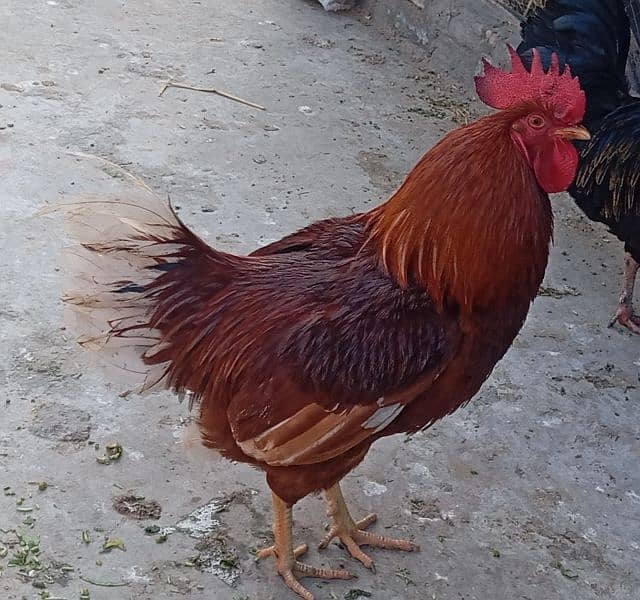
{"type": "Point", "coordinates": [556, 166]}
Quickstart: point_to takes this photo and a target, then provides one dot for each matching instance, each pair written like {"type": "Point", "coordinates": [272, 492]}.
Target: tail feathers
{"type": "Point", "coordinates": [128, 258]}
{"type": "Point", "coordinates": [109, 267]}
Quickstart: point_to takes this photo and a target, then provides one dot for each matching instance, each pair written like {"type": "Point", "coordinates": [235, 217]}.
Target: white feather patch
{"type": "Point", "coordinates": [382, 417]}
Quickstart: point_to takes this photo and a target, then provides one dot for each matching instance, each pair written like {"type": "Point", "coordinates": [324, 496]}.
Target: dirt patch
{"type": "Point", "coordinates": [203, 521]}
{"type": "Point", "coordinates": [216, 556]}
{"type": "Point", "coordinates": [24, 557]}
{"type": "Point", "coordinates": [318, 42]}
{"type": "Point", "coordinates": [425, 509]}
{"type": "Point", "coordinates": [171, 574]}
{"type": "Point", "coordinates": [439, 98]}
{"type": "Point", "coordinates": [371, 58]}
{"type": "Point", "coordinates": [56, 421]}
{"type": "Point", "coordinates": [606, 377]}
{"type": "Point", "coordinates": [380, 175]}
{"type": "Point", "coordinates": [137, 507]}
{"type": "Point", "coordinates": [557, 293]}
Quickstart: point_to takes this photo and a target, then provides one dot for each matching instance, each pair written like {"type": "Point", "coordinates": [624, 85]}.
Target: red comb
{"type": "Point", "coordinates": [560, 92]}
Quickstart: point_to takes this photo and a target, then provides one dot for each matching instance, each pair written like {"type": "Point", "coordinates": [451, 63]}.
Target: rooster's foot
{"type": "Point", "coordinates": [291, 570]}
{"type": "Point", "coordinates": [351, 533]}
{"type": "Point", "coordinates": [288, 567]}
{"type": "Point", "coordinates": [625, 317]}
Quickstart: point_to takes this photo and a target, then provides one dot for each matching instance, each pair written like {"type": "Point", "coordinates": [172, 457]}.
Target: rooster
{"type": "Point", "coordinates": [304, 353]}
{"type": "Point", "coordinates": [593, 37]}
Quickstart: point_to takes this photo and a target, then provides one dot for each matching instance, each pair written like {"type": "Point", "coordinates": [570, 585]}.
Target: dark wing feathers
{"type": "Point", "coordinates": [356, 329]}
{"type": "Point", "coordinates": [608, 183]}
{"type": "Point", "coordinates": [365, 339]}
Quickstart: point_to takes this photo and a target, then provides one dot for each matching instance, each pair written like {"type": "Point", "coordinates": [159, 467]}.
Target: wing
{"type": "Point", "coordinates": [329, 356]}
{"type": "Point", "coordinates": [610, 172]}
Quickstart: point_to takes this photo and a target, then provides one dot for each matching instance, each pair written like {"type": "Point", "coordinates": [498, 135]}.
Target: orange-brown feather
{"type": "Point", "coordinates": [447, 231]}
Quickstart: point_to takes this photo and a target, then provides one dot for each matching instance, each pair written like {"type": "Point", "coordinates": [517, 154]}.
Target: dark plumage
{"type": "Point", "coordinates": [593, 37]}
{"type": "Point", "coordinates": [611, 171]}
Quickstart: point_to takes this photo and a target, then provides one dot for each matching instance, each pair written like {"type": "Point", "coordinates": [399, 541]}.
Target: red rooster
{"type": "Point", "coordinates": [304, 353]}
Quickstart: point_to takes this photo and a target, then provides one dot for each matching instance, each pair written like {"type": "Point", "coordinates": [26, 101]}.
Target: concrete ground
{"type": "Point", "coordinates": [531, 492]}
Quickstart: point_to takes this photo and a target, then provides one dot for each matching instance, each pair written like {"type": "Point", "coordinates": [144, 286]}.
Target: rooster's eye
{"type": "Point", "coordinates": [536, 121]}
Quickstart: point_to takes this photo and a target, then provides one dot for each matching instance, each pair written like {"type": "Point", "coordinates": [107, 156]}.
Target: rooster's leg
{"type": "Point", "coordinates": [624, 315]}
{"type": "Point", "coordinates": [288, 567]}
{"type": "Point", "coordinates": [351, 533]}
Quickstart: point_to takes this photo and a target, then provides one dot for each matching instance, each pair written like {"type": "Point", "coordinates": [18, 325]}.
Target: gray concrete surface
{"type": "Point", "coordinates": [447, 28]}
{"type": "Point", "coordinates": [531, 492]}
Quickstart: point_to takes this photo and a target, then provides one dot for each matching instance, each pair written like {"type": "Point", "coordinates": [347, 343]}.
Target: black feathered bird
{"type": "Point", "coordinates": [593, 37]}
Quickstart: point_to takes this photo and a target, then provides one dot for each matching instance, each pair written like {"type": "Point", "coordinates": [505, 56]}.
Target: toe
{"type": "Point", "coordinates": [304, 570]}
{"type": "Point", "coordinates": [367, 521]}
{"type": "Point", "coordinates": [357, 553]}
{"type": "Point", "coordinates": [632, 323]}
{"type": "Point", "coordinates": [364, 538]}
{"type": "Point", "coordinates": [296, 586]}
{"type": "Point", "coordinates": [271, 551]}
{"type": "Point", "coordinates": [326, 540]}
{"type": "Point", "coordinates": [266, 552]}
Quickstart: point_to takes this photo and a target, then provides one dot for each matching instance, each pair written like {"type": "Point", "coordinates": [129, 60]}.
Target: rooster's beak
{"type": "Point", "coordinates": [573, 133]}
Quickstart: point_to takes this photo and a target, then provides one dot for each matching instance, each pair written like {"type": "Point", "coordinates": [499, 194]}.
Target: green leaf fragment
{"type": "Point", "coordinates": [111, 543]}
